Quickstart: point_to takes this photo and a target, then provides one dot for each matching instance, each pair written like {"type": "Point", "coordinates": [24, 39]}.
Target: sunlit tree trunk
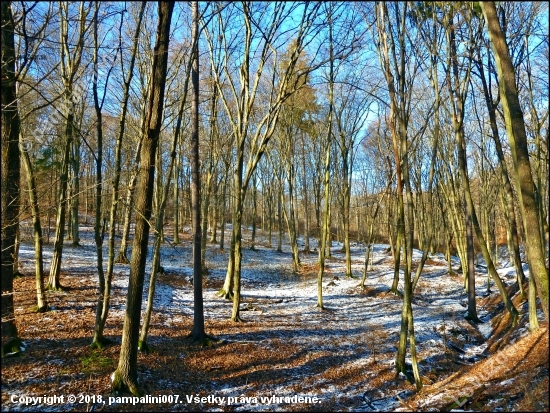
{"type": "Point", "coordinates": [161, 208]}
{"type": "Point", "coordinates": [70, 64]}
{"type": "Point", "coordinates": [41, 302]}
{"type": "Point", "coordinates": [398, 126]}
{"type": "Point", "coordinates": [105, 280]}
{"type": "Point", "coordinates": [325, 228]}
{"type": "Point", "coordinates": [515, 128]}
{"type": "Point", "coordinates": [125, 377]}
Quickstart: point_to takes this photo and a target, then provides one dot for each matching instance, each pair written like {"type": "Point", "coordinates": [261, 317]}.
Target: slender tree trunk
{"type": "Point", "coordinates": [69, 67]}
{"type": "Point", "coordinates": [127, 205]}
{"type": "Point", "coordinates": [125, 377]}
{"type": "Point", "coordinates": [75, 165]}
{"type": "Point", "coordinates": [197, 333]}
{"type": "Point", "coordinates": [214, 223]}
{"type": "Point", "coordinates": [254, 213]}
{"type": "Point", "coordinates": [305, 198]}
{"type": "Point", "coordinates": [291, 218]}
{"type": "Point", "coordinates": [325, 229]}
{"type": "Point", "coordinates": [105, 280]}
{"type": "Point", "coordinates": [270, 216]}
{"type": "Point", "coordinates": [98, 340]}
{"type": "Point", "coordinates": [55, 268]}
{"type": "Point", "coordinates": [161, 208]}
{"type": "Point", "coordinates": [222, 211]}
{"type": "Point", "coordinates": [515, 128]}
{"type": "Point", "coordinates": [176, 240]}
{"type": "Point", "coordinates": [400, 149]}
{"type": "Point", "coordinates": [370, 237]}
{"type": "Point", "coordinates": [236, 239]}
{"type": "Point", "coordinates": [507, 186]}
{"type": "Point", "coordinates": [41, 302]}
{"type": "Point", "coordinates": [280, 220]}
{"type": "Point", "coordinates": [458, 118]}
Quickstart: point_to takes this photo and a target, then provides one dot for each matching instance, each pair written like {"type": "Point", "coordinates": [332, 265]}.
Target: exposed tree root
{"type": "Point", "coordinates": [60, 288]}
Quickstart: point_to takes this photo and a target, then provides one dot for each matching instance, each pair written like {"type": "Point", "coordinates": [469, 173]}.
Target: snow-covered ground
{"type": "Point", "coordinates": [360, 327]}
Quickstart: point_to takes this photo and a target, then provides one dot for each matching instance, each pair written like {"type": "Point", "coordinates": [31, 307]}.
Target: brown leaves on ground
{"type": "Point", "coordinates": [59, 360]}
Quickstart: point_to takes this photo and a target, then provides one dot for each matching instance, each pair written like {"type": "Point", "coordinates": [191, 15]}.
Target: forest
{"type": "Point", "coordinates": [257, 206]}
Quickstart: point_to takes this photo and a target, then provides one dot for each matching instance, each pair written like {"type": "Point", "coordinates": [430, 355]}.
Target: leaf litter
{"type": "Point", "coordinates": [343, 356]}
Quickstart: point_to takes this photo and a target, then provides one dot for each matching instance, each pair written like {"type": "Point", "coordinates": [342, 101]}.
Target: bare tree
{"type": "Point", "coordinates": [125, 377]}
{"type": "Point", "coordinates": [71, 58]}
{"type": "Point", "coordinates": [394, 40]}
{"type": "Point", "coordinates": [261, 32]}
{"type": "Point", "coordinates": [515, 129]}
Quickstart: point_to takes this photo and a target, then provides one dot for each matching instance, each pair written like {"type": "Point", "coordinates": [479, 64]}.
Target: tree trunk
{"type": "Point", "coordinates": [305, 197]}
{"type": "Point", "coordinates": [55, 268]}
{"type": "Point", "coordinates": [161, 208]}
{"type": "Point", "coordinates": [41, 302]}
{"type": "Point", "coordinates": [515, 128]}
{"type": "Point", "coordinates": [197, 333]}
{"type": "Point", "coordinates": [222, 211]}
{"type": "Point", "coordinates": [125, 377]}
{"type": "Point", "coordinates": [507, 187]}
{"type": "Point", "coordinates": [290, 218]}
{"type": "Point", "coordinates": [70, 64]}
{"type": "Point", "coordinates": [105, 280]}
{"type": "Point", "coordinates": [254, 212]}
{"type": "Point", "coordinates": [10, 180]}
{"type": "Point", "coordinates": [325, 229]}
{"type": "Point", "coordinates": [75, 185]}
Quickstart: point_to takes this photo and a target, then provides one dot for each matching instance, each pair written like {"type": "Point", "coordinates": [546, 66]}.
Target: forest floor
{"type": "Point", "coordinates": [287, 355]}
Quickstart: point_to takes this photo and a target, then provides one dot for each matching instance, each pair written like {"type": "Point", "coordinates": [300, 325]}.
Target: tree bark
{"type": "Point", "coordinates": [105, 279]}
{"type": "Point", "coordinates": [10, 180]}
{"type": "Point", "coordinates": [70, 64]}
{"type": "Point", "coordinates": [517, 137]}
{"type": "Point", "coordinates": [197, 333]}
{"type": "Point", "coordinates": [41, 302]}
{"type": "Point", "coordinates": [125, 377]}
